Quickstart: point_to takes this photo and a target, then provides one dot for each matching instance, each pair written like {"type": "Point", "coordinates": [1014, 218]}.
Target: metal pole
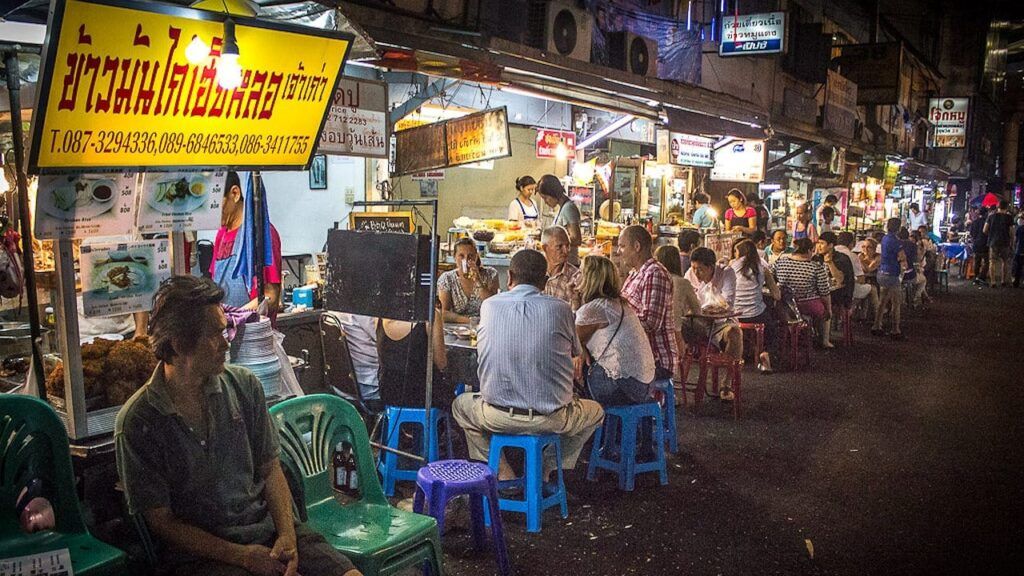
{"type": "Point", "coordinates": [28, 259]}
{"type": "Point", "coordinates": [257, 218]}
{"type": "Point", "coordinates": [430, 328]}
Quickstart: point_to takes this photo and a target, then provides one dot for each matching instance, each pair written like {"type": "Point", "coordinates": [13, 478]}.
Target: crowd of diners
{"type": "Point", "coordinates": [198, 454]}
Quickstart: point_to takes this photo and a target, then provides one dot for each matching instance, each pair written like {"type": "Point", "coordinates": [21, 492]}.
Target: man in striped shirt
{"type": "Point", "coordinates": [526, 344]}
{"type": "Point", "coordinates": [648, 289]}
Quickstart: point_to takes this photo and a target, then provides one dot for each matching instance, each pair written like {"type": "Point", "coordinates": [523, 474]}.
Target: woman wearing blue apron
{"type": "Point", "coordinates": [228, 248]}
{"type": "Point", "coordinates": [523, 208]}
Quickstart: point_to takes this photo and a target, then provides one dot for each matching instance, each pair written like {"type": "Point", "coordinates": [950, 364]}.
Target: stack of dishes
{"type": "Point", "coordinates": [253, 348]}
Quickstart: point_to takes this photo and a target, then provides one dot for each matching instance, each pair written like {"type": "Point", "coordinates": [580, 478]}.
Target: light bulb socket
{"type": "Point", "coordinates": [230, 42]}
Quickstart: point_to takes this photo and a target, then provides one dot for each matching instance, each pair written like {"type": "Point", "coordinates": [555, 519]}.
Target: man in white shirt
{"type": "Point", "coordinates": [917, 217]}
{"type": "Point", "coordinates": [862, 291]}
{"type": "Point", "coordinates": [361, 337]}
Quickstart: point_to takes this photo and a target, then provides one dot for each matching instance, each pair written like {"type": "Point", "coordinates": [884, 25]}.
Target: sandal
{"type": "Point", "coordinates": [763, 370]}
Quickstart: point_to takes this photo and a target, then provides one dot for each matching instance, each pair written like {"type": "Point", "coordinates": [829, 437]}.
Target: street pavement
{"type": "Point", "coordinates": [887, 458]}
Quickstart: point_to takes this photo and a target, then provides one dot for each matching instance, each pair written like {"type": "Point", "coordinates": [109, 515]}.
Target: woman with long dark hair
{"type": "Point", "coordinates": [752, 278]}
{"type": "Point", "coordinates": [568, 214]}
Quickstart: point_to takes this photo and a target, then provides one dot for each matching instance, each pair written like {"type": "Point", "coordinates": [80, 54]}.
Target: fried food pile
{"type": "Point", "coordinates": [113, 370]}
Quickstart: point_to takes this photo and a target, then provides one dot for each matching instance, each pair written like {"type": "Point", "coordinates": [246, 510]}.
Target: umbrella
{"type": "Point", "coordinates": [987, 200]}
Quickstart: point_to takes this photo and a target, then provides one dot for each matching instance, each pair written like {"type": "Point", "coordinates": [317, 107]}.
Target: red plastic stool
{"type": "Point", "coordinates": [716, 361]}
{"type": "Point", "coordinates": [758, 338]}
{"type": "Point", "coordinates": [693, 353]}
{"type": "Point", "coordinates": [847, 318]}
{"type": "Point", "coordinates": [794, 333]}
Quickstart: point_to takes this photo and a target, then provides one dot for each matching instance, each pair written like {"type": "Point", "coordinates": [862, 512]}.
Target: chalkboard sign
{"type": "Point", "coordinates": [394, 222]}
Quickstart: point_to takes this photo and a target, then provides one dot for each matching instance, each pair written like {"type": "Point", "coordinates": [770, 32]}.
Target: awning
{"type": "Point", "coordinates": [689, 122]}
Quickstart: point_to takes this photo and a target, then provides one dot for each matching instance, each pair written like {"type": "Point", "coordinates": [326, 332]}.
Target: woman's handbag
{"type": "Point", "coordinates": [586, 375]}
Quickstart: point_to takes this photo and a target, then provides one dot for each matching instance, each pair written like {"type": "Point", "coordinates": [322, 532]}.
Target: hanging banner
{"type": "Point", "coordinates": [690, 150]}
{"type": "Point", "coordinates": [85, 205]}
{"type": "Point", "coordinates": [122, 278]}
{"type": "Point", "coordinates": [840, 110]}
{"type": "Point", "coordinates": [176, 202]}
{"type": "Point", "coordinates": [549, 141]}
{"type": "Point", "coordinates": [122, 86]}
{"type": "Point", "coordinates": [753, 34]}
{"type": "Point", "coordinates": [949, 115]}
{"type": "Point", "coordinates": [357, 120]}
{"type": "Point", "coordinates": [478, 137]}
{"type": "Point", "coordinates": [739, 161]}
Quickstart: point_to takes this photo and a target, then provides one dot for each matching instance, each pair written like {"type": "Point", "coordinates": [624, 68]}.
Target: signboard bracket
{"type": "Point", "coordinates": [68, 340]}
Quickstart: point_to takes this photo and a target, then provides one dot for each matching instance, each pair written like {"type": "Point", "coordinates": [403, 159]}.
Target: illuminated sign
{"type": "Point", "coordinates": [753, 34]}
{"type": "Point", "coordinates": [478, 137]}
{"type": "Point", "coordinates": [949, 116]}
{"type": "Point", "coordinates": [739, 161]}
{"type": "Point", "coordinates": [690, 150]}
{"type": "Point", "coordinates": [548, 142]}
{"type": "Point", "coordinates": [118, 90]}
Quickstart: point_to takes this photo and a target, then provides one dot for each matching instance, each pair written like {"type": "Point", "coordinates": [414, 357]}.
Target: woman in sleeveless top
{"type": "Point", "coordinates": [402, 348]}
{"type": "Point", "coordinates": [523, 208]}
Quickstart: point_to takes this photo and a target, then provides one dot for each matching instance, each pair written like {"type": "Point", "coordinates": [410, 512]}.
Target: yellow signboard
{"type": "Point", "coordinates": [119, 92]}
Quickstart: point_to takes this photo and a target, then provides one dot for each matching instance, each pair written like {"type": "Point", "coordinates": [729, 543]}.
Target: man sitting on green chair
{"type": "Point", "coordinates": [198, 455]}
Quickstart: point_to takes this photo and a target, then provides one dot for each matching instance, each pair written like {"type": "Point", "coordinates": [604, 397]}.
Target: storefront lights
{"type": "Point", "coordinates": [197, 50]}
{"type": "Point", "coordinates": [229, 71]}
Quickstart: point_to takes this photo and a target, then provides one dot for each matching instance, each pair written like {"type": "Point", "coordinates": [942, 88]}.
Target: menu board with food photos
{"type": "Point", "coordinates": [85, 205]}
{"type": "Point", "coordinates": [122, 278]}
{"type": "Point", "coordinates": [180, 201]}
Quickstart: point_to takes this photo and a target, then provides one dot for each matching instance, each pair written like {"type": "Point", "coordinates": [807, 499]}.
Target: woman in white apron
{"type": "Point", "coordinates": [523, 208]}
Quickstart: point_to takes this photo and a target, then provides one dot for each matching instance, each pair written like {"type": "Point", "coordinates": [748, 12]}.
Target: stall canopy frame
{"type": "Point", "coordinates": [425, 281]}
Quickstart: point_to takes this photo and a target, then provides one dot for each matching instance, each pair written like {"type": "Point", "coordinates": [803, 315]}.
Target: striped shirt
{"type": "Point", "coordinates": [526, 341]}
{"type": "Point", "coordinates": [806, 278]}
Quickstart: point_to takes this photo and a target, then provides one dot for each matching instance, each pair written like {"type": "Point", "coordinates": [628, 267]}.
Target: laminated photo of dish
{"type": "Point", "coordinates": [122, 272]}
{"type": "Point", "coordinates": [77, 196]}
{"type": "Point", "coordinates": [177, 193]}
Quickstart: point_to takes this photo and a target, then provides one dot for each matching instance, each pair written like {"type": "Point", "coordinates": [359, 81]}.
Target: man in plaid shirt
{"type": "Point", "coordinates": [648, 289]}
{"type": "Point", "coordinates": [563, 278]}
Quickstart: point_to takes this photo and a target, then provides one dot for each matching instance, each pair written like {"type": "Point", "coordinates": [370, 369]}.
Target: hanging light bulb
{"type": "Point", "coordinates": [561, 151]}
{"type": "Point", "coordinates": [229, 71]}
{"type": "Point", "coordinates": [197, 50]}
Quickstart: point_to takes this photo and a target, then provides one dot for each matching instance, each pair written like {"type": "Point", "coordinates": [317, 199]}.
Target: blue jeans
{"type": "Point", "coordinates": [616, 391]}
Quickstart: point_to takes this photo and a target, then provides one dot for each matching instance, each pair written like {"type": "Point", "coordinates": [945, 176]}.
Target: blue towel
{"type": "Point", "coordinates": [245, 266]}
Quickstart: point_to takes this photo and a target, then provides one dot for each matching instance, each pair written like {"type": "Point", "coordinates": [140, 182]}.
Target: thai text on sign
{"type": "Point", "coordinates": [476, 137]}
{"type": "Point", "coordinates": [357, 121]}
{"type": "Point", "coordinates": [753, 34]}
{"type": "Point", "coordinates": [119, 91]}
{"type": "Point", "coordinates": [949, 116]}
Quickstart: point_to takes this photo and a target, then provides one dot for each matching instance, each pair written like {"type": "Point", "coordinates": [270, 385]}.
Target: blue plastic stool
{"type": "Point", "coordinates": [396, 417]}
{"type": "Point", "coordinates": [623, 422]}
{"type": "Point", "coordinates": [439, 482]}
{"type": "Point", "coordinates": [669, 413]}
{"type": "Point", "coordinates": [532, 481]}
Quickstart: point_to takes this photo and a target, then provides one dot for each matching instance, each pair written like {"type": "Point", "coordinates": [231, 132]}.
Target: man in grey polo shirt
{"type": "Point", "coordinates": [526, 343]}
{"type": "Point", "coordinates": [198, 454]}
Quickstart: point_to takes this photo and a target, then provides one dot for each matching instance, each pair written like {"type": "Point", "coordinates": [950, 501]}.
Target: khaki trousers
{"type": "Point", "coordinates": [574, 423]}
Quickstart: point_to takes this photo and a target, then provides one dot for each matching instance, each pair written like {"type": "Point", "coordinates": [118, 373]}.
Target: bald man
{"type": "Point", "coordinates": [648, 289]}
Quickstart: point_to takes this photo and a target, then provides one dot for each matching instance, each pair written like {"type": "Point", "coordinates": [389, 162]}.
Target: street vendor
{"type": "Point", "coordinates": [740, 217]}
{"type": "Point", "coordinates": [568, 215]}
{"type": "Point", "coordinates": [228, 248]}
{"type": "Point", "coordinates": [523, 208]}
{"type": "Point", "coordinates": [197, 453]}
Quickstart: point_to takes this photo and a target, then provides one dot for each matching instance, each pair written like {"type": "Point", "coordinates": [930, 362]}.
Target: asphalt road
{"type": "Point", "coordinates": [887, 458]}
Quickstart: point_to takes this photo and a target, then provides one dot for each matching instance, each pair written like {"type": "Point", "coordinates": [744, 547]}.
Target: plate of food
{"type": "Point", "coordinates": [121, 277]}
{"type": "Point", "coordinates": [77, 197]}
{"type": "Point", "coordinates": [180, 195]}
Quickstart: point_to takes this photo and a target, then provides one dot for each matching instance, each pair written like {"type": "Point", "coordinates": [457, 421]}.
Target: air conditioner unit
{"type": "Point", "coordinates": [569, 30]}
{"type": "Point", "coordinates": [633, 53]}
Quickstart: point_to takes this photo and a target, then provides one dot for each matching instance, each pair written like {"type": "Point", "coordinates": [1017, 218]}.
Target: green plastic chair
{"type": "Point", "coordinates": [379, 538]}
{"type": "Point", "coordinates": [34, 444]}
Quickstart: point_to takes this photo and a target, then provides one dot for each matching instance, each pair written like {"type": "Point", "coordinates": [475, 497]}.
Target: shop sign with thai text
{"type": "Point", "coordinates": [478, 137]}
{"type": "Point", "coordinates": [753, 34]}
{"type": "Point", "coordinates": [690, 150]}
{"type": "Point", "coordinates": [117, 90]}
{"type": "Point", "coordinates": [548, 142]}
{"type": "Point", "coordinates": [840, 110]}
{"type": "Point", "coordinates": [357, 120]}
{"type": "Point", "coordinates": [949, 116]}
{"type": "Point", "coordinates": [739, 161]}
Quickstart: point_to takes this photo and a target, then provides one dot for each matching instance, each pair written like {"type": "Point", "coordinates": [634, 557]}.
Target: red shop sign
{"type": "Point", "coordinates": [549, 140]}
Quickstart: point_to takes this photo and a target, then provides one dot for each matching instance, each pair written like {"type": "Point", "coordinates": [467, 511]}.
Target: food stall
{"type": "Point", "coordinates": [110, 186]}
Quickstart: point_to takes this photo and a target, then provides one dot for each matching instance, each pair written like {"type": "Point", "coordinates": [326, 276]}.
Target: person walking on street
{"type": "Point", "coordinates": [889, 276]}
{"type": "Point", "coordinates": [997, 227]}
{"type": "Point", "coordinates": [979, 243]}
{"type": "Point", "coordinates": [1018, 253]}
